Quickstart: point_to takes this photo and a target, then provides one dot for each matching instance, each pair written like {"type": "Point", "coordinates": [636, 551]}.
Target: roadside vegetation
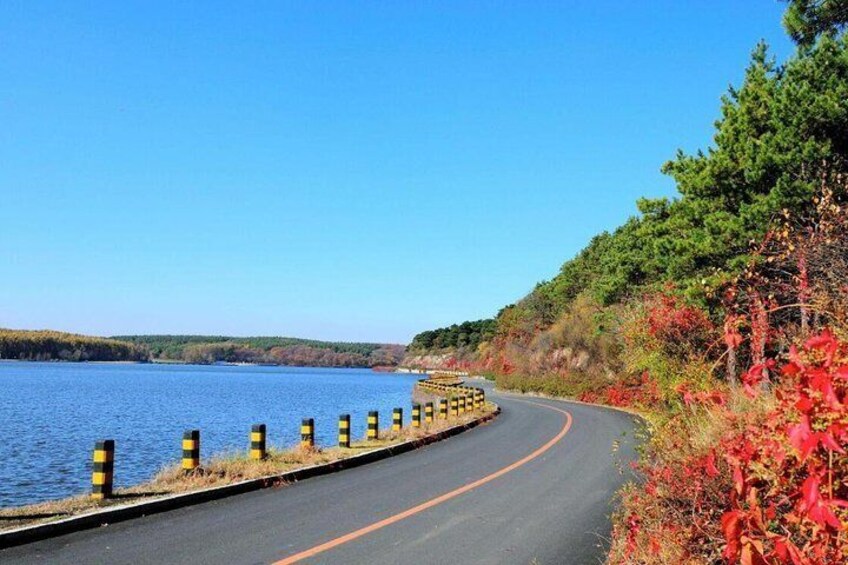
{"type": "Point", "coordinates": [722, 315]}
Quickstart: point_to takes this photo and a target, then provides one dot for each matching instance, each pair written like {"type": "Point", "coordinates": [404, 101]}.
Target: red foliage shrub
{"type": "Point", "coordinates": [670, 320]}
{"type": "Point", "coordinates": [772, 488]}
{"type": "Point", "coordinates": [644, 392]}
{"type": "Point", "coordinates": [790, 471]}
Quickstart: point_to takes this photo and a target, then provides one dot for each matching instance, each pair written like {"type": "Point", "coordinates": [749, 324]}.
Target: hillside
{"type": "Point", "coordinates": [268, 350]}
{"type": "Point", "coordinates": [46, 345]}
{"type": "Point", "coordinates": [722, 316]}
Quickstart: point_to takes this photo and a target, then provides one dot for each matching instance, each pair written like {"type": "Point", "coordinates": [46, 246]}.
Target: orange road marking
{"type": "Point", "coordinates": [341, 540]}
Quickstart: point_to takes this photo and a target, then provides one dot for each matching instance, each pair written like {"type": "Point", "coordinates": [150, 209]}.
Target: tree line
{"type": "Point", "coordinates": [48, 345]}
{"type": "Point", "coordinates": [268, 350]}
{"type": "Point", "coordinates": [467, 335]}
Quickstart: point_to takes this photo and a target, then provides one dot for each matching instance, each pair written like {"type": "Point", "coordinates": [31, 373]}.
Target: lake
{"type": "Point", "coordinates": [52, 413]}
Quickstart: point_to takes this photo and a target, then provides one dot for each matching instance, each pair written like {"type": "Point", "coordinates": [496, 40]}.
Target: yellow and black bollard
{"type": "Point", "coordinates": [428, 412]}
{"type": "Point", "coordinates": [397, 419]}
{"type": "Point", "coordinates": [416, 415]}
{"type": "Point", "coordinates": [454, 406]}
{"type": "Point", "coordinates": [373, 425]}
{"type": "Point", "coordinates": [103, 470]}
{"type": "Point", "coordinates": [344, 430]}
{"type": "Point", "coordinates": [307, 433]}
{"type": "Point", "coordinates": [257, 442]}
{"type": "Point", "coordinates": [443, 409]}
{"type": "Point", "coordinates": [462, 406]}
{"type": "Point", "coordinates": [469, 402]}
{"type": "Point", "coordinates": [191, 450]}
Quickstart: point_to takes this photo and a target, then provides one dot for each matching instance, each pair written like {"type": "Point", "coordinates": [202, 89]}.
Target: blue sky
{"type": "Point", "coordinates": [335, 170]}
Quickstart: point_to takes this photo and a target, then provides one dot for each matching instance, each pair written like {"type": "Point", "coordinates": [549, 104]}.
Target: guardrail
{"type": "Point", "coordinates": [460, 398]}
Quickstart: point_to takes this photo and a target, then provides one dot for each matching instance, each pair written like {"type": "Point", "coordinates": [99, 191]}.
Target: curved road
{"type": "Point", "coordinates": [533, 486]}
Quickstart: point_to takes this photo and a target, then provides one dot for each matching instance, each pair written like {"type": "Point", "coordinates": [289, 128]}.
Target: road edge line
{"type": "Point", "coordinates": [374, 526]}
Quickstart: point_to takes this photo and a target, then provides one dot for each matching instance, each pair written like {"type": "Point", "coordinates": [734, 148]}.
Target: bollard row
{"type": "Point", "coordinates": [102, 476]}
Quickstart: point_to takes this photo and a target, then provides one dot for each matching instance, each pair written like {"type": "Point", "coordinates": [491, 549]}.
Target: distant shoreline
{"type": "Point", "coordinates": [378, 369]}
{"type": "Point", "coordinates": [3, 360]}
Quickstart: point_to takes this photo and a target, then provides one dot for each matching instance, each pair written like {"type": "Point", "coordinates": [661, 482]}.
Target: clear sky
{"type": "Point", "coordinates": [335, 170]}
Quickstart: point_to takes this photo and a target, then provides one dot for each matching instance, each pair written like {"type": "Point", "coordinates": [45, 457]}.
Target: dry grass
{"type": "Point", "coordinates": [218, 471]}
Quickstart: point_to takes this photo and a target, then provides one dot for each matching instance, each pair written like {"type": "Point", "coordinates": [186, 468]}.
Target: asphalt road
{"type": "Point", "coordinates": [536, 485]}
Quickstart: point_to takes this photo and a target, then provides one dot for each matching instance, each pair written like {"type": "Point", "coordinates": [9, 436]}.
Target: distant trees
{"type": "Point", "coordinates": [269, 350]}
{"type": "Point", "coordinates": [60, 346]}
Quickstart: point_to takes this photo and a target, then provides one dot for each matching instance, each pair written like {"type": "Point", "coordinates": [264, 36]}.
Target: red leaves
{"type": "Point", "coordinates": [731, 527]}
{"type": "Point", "coordinates": [773, 489]}
{"type": "Point", "coordinates": [752, 378]}
{"type": "Point", "coordinates": [738, 480]}
{"type": "Point", "coordinates": [669, 324]}
{"type": "Point", "coordinates": [803, 491]}
{"type": "Point", "coordinates": [826, 342]}
{"type": "Point", "coordinates": [703, 398]}
{"type": "Point", "coordinates": [710, 464]}
{"type": "Point", "coordinates": [802, 438]}
{"type": "Point", "coordinates": [732, 335]}
{"type": "Point", "coordinates": [786, 551]}
{"type": "Point", "coordinates": [817, 508]}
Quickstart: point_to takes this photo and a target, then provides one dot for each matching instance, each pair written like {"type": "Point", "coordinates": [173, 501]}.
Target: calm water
{"type": "Point", "coordinates": [52, 413]}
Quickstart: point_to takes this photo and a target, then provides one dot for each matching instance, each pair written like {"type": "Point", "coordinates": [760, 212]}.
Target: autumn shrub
{"type": "Point", "coordinates": [670, 340]}
{"type": "Point", "coordinates": [754, 477]}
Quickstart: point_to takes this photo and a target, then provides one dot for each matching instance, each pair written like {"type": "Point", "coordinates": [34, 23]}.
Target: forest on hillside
{"type": "Point", "coordinates": [467, 335]}
{"type": "Point", "coordinates": [721, 315]}
{"type": "Point", "coordinates": [45, 345]}
{"type": "Point", "coordinates": [200, 349]}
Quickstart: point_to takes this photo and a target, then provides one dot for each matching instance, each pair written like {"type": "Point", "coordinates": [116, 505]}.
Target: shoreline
{"type": "Point", "coordinates": [376, 369]}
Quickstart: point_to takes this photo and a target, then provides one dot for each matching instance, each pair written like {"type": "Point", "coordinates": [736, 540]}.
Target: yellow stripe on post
{"type": "Point", "coordinates": [257, 442]}
{"type": "Point", "coordinates": [191, 450]}
{"type": "Point", "coordinates": [307, 433]}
